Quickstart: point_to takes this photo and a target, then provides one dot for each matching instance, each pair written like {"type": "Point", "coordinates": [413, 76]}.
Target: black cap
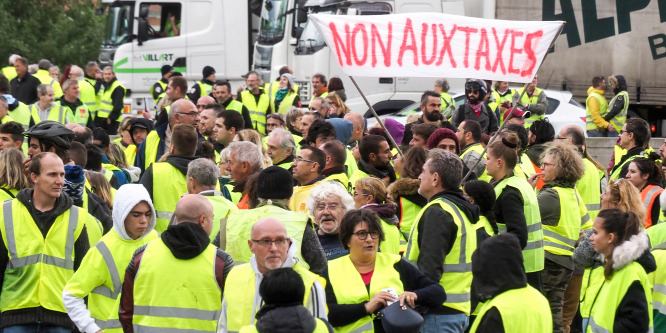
{"type": "Point", "coordinates": [166, 69]}
{"type": "Point", "coordinates": [275, 183]}
{"type": "Point", "coordinates": [207, 71]}
{"type": "Point", "coordinates": [102, 136]}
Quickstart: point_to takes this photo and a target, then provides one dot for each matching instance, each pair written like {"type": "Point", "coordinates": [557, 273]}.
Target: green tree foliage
{"type": "Point", "coordinates": [63, 31]}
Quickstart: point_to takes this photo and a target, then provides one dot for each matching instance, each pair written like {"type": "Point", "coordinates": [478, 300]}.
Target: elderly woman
{"type": "Point", "coordinates": [563, 213]}
{"type": "Point", "coordinates": [370, 193]}
{"type": "Point", "coordinates": [293, 120]}
{"type": "Point", "coordinates": [365, 281]}
{"type": "Point", "coordinates": [286, 96]}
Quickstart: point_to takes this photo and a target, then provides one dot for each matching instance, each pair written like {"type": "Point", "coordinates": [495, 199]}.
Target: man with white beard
{"type": "Point", "coordinates": [328, 202]}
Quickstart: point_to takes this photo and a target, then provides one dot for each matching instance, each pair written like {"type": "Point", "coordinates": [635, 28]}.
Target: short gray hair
{"type": "Point", "coordinates": [286, 139]}
{"type": "Point", "coordinates": [443, 83]}
{"type": "Point", "coordinates": [326, 188]}
{"type": "Point", "coordinates": [324, 102]}
{"type": "Point", "coordinates": [203, 171]}
{"type": "Point", "coordinates": [76, 70]}
{"type": "Point", "coordinates": [292, 114]}
{"type": "Point", "coordinates": [90, 65]}
{"type": "Point", "coordinates": [247, 151]}
{"type": "Point", "coordinates": [448, 166]}
{"type": "Point", "coordinates": [12, 58]}
{"type": "Point", "coordinates": [111, 68]}
{"type": "Point", "coordinates": [68, 83]}
{"type": "Point", "coordinates": [41, 89]}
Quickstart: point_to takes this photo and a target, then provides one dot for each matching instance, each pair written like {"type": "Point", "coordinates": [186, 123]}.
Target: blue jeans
{"type": "Point", "coordinates": [596, 134]}
{"type": "Point", "coordinates": [441, 323]}
{"type": "Point", "coordinates": [613, 134]}
{"type": "Point", "coordinates": [34, 328]}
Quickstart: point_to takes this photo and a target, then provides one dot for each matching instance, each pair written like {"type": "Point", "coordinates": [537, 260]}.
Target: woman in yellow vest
{"type": "Point", "coordinates": [404, 192]}
{"type": "Point", "coordinates": [646, 175]}
{"type": "Point", "coordinates": [365, 281]}
{"type": "Point", "coordinates": [285, 97]}
{"type": "Point", "coordinates": [102, 271]}
{"type": "Point", "coordinates": [563, 213]}
{"type": "Point", "coordinates": [370, 193]}
{"type": "Point", "coordinates": [516, 206]}
{"type": "Point", "coordinates": [12, 175]}
{"type": "Point", "coordinates": [282, 291]}
{"type": "Point", "coordinates": [621, 195]}
{"type": "Point", "coordinates": [624, 301]}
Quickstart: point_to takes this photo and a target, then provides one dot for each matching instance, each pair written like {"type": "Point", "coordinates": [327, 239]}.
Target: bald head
{"type": "Point", "coordinates": [183, 111]}
{"type": "Point", "coordinates": [194, 208]}
{"type": "Point", "coordinates": [268, 225]}
{"type": "Point", "coordinates": [573, 134]}
{"type": "Point", "coordinates": [359, 124]}
{"type": "Point", "coordinates": [269, 244]}
{"type": "Point", "coordinates": [203, 101]}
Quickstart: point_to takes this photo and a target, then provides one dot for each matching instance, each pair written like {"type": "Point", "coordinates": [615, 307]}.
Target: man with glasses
{"type": "Point", "coordinates": [534, 100]}
{"type": "Point", "coordinates": [634, 136]}
{"type": "Point", "coordinates": [306, 168]}
{"type": "Point", "coordinates": [328, 203]}
{"type": "Point", "coordinates": [319, 104]}
{"type": "Point", "coordinates": [271, 248]}
{"type": "Point", "coordinates": [158, 142]}
{"type": "Point", "coordinates": [475, 108]}
{"type": "Point", "coordinates": [222, 93]}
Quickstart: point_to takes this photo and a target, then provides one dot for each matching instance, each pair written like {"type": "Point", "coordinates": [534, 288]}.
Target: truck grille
{"type": "Point", "coordinates": [304, 91]}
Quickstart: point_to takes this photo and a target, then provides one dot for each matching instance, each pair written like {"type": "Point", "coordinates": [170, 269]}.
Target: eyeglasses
{"type": "Point", "coordinates": [624, 131]}
{"type": "Point", "coordinates": [322, 206]}
{"type": "Point", "coordinates": [357, 193]}
{"type": "Point", "coordinates": [560, 138]}
{"type": "Point", "coordinates": [279, 242]}
{"type": "Point", "coordinates": [544, 165]}
{"type": "Point", "coordinates": [300, 159]}
{"type": "Point", "coordinates": [191, 113]}
{"type": "Point", "coordinates": [363, 234]}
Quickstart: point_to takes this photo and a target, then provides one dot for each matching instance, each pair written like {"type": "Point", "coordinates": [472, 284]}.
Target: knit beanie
{"type": "Point", "coordinates": [166, 69]}
{"type": "Point", "coordinates": [74, 182]}
{"type": "Point", "coordinates": [396, 129]}
{"type": "Point", "coordinates": [207, 71]}
{"type": "Point", "coordinates": [275, 183]}
{"type": "Point", "coordinates": [440, 134]}
{"type": "Point", "coordinates": [290, 78]}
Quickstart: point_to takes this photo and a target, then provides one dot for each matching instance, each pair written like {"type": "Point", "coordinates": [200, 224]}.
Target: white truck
{"type": "Point", "coordinates": [140, 39]}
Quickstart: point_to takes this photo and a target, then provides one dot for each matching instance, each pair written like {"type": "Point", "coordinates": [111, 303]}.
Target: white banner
{"type": "Point", "coordinates": [437, 45]}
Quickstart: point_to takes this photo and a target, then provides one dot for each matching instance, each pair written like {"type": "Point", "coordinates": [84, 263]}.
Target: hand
{"type": "Point", "coordinates": [378, 301]}
{"type": "Point", "coordinates": [108, 121]}
{"type": "Point", "coordinates": [506, 104]}
{"type": "Point", "coordinates": [534, 178]}
{"type": "Point", "coordinates": [147, 114]}
{"type": "Point", "coordinates": [240, 89]}
{"type": "Point", "coordinates": [26, 167]}
{"type": "Point", "coordinates": [409, 296]}
{"type": "Point", "coordinates": [611, 129]}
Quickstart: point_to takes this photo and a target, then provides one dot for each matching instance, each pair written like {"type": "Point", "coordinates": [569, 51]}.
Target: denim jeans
{"type": "Point", "coordinates": [596, 134]}
{"type": "Point", "coordinates": [613, 134]}
{"type": "Point", "coordinates": [34, 328]}
{"type": "Point", "coordinates": [441, 323]}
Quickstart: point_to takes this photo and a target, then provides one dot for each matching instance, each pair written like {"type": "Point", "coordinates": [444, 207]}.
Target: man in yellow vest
{"type": "Point", "coordinates": [430, 109]}
{"type": "Point", "coordinates": [469, 136]}
{"type": "Point", "coordinates": [534, 100]}
{"type": "Point", "coordinates": [509, 303]}
{"type": "Point", "coordinates": [166, 181]}
{"type": "Point", "coordinates": [596, 108]}
{"type": "Point", "coordinates": [16, 109]}
{"type": "Point", "coordinates": [336, 156]}
{"type": "Point", "coordinates": [306, 168]}
{"type": "Point", "coordinates": [202, 179]}
{"type": "Point", "coordinates": [256, 100]}
{"type": "Point", "coordinates": [448, 104]}
{"type": "Point", "coordinates": [44, 240]}
{"type": "Point", "coordinates": [281, 148]}
{"type": "Point", "coordinates": [273, 201]}
{"type": "Point", "coordinates": [159, 88]}
{"type": "Point", "coordinates": [319, 88]}
{"type": "Point", "coordinates": [9, 71]}
{"type": "Point", "coordinates": [93, 76]}
{"type": "Point", "coordinates": [222, 93]}
{"type": "Point", "coordinates": [73, 105]}
{"type": "Point", "coordinates": [87, 92]}
{"type": "Point", "coordinates": [176, 282]}
{"type": "Point", "coordinates": [46, 109]}
{"type": "Point", "coordinates": [442, 240]}
{"type": "Point", "coordinates": [375, 160]}
{"type": "Point", "coordinates": [244, 160]}
{"type": "Point", "coordinates": [271, 248]}
{"type": "Point", "coordinates": [45, 78]}
{"type": "Point", "coordinates": [203, 87]}
{"type": "Point", "coordinates": [618, 106]}
{"type": "Point", "coordinates": [101, 274]}
{"type": "Point", "coordinates": [111, 104]}
{"type": "Point", "coordinates": [503, 95]}
{"type": "Point", "coordinates": [634, 136]}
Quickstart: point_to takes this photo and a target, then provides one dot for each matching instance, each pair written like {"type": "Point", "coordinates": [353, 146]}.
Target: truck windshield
{"type": "Point", "coordinates": [273, 20]}
{"type": "Point", "coordinates": [310, 40]}
{"type": "Point", "coordinates": [118, 25]}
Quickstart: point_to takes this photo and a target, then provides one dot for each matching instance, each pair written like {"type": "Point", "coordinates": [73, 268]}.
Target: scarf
{"type": "Point", "coordinates": [475, 107]}
{"type": "Point", "coordinates": [279, 95]}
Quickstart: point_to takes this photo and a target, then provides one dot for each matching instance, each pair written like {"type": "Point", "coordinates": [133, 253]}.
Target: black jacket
{"type": "Point", "coordinates": [486, 118]}
{"type": "Point", "coordinates": [618, 106]}
{"type": "Point", "coordinates": [178, 161]}
{"type": "Point", "coordinates": [509, 211]}
{"type": "Point", "coordinates": [625, 166]}
{"type": "Point", "coordinates": [25, 90]}
{"type": "Point", "coordinates": [437, 234]}
{"type": "Point", "coordinates": [293, 319]}
{"type": "Point", "coordinates": [44, 221]}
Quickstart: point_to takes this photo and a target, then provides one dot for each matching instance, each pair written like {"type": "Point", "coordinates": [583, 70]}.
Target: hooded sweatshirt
{"type": "Point", "coordinates": [437, 234]}
{"type": "Point", "coordinates": [44, 221]}
{"type": "Point", "coordinates": [317, 301]}
{"type": "Point", "coordinates": [618, 105]}
{"type": "Point", "coordinates": [94, 271]}
{"type": "Point", "coordinates": [594, 109]}
{"type": "Point", "coordinates": [294, 319]}
{"type": "Point", "coordinates": [343, 129]}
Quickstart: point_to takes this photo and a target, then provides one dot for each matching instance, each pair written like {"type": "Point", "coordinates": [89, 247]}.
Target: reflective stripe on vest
{"type": "Point", "coordinates": [649, 195]}
{"type": "Point", "coordinates": [257, 111]}
{"type": "Point", "coordinates": [168, 185]}
{"type": "Point", "coordinates": [285, 104]}
{"type": "Point", "coordinates": [531, 314]}
{"type": "Point", "coordinates": [240, 291]}
{"type": "Point", "coordinates": [391, 243]}
{"type": "Point", "coordinates": [530, 100]}
{"type": "Point", "coordinates": [617, 169]}
{"type": "Point", "coordinates": [533, 253]}
{"type": "Point", "coordinates": [620, 118]}
{"type": "Point", "coordinates": [106, 103]}
{"type": "Point", "coordinates": [349, 287]}
{"type": "Point", "coordinates": [189, 301]}
{"type": "Point", "coordinates": [590, 125]}
{"type": "Point", "coordinates": [561, 239]}
{"type": "Point", "coordinates": [457, 266]}
{"type": "Point", "coordinates": [590, 191]}
{"type": "Point", "coordinates": [60, 116]}
{"type": "Point", "coordinates": [113, 271]}
{"type": "Point", "coordinates": [38, 267]}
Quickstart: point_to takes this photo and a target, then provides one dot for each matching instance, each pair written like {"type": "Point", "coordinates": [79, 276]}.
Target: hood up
{"type": "Point", "coordinates": [497, 266]}
{"type": "Point", "coordinates": [128, 196]}
{"type": "Point", "coordinates": [343, 129]}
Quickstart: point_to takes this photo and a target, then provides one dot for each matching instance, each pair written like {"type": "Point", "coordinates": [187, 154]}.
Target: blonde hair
{"type": "Point", "coordinates": [100, 186]}
{"type": "Point", "coordinates": [125, 124]}
{"type": "Point", "coordinates": [117, 156]}
{"type": "Point", "coordinates": [253, 136]}
{"type": "Point", "coordinates": [623, 195]}
{"type": "Point", "coordinates": [375, 187]}
{"type": "Point", "coordinates": [11, 169]}
{"type": "Point", "coordinates": [335, 98]}
{"type": "Point", "coordinates": [568, 163]}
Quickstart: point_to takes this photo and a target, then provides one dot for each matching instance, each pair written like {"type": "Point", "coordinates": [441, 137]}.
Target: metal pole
{"type": "Point", "coordinates": [510, 114]}
{"type": "Point", "coordinates": [379, 121]}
